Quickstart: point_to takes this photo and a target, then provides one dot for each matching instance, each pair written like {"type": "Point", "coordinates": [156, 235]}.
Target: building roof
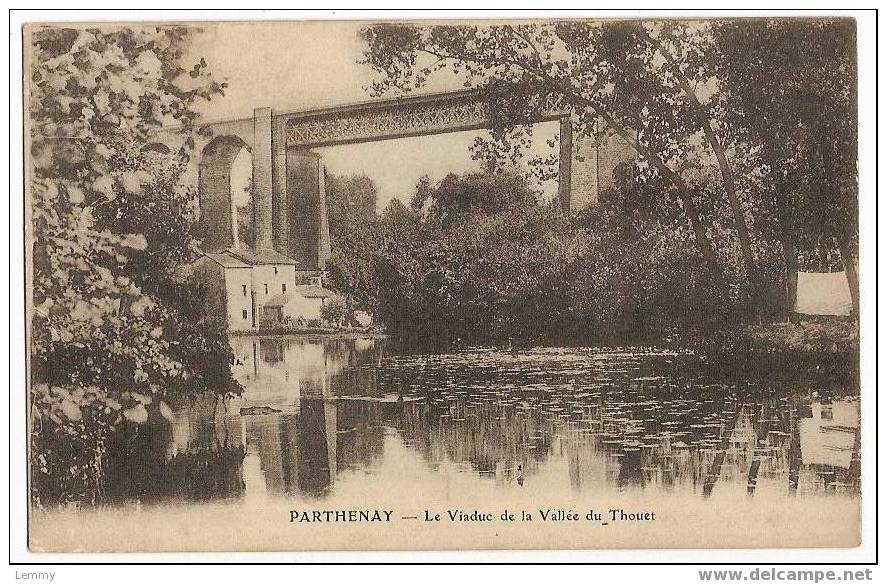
{"type": "Point", "coordinates": [305, 291]}
{"type": "Point", "coordinates": [227, 260]}
{"type": "Point", "coordinates": [245, 258]}
{"type": "Point", "coordinates": [278, 301]}
{"type": "Point", "coordinates": [312, 291]}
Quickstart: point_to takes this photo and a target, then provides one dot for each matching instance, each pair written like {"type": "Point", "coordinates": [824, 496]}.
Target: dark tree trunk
{"type": "Point", "coordinates": [790, 257]}
{"type": "Point", "coordinates": [726, 169]}
{"type": "Point", "coordinates": [850, 269]}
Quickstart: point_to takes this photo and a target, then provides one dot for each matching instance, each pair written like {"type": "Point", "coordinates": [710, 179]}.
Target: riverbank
{"type": "Point", "coordinates": [315, 331]}
{"type": "Point", "coordinates": [814, 349]}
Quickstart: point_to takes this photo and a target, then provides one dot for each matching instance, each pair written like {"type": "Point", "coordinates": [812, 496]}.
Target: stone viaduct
{"type": "Point", "coordinates": [288, 176]}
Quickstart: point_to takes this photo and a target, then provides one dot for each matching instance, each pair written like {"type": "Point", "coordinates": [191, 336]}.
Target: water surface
{"type": "Point", "coordinates": [351, 423]}
{"type": "Point", "coordinates": [320, 413]}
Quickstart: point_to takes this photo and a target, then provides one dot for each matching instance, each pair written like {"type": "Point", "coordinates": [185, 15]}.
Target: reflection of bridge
{"type": "Point", "coordinates": [288, 177]}
{"type": "Point", "coordinates": [340, 409]}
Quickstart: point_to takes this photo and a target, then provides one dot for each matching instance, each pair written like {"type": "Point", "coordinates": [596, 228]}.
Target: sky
{"type": "Point", "coordinates": [291, 66]}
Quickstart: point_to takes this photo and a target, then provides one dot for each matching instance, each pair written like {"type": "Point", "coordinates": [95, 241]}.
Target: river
{"type": "Point", "coordinates": [352, 424]}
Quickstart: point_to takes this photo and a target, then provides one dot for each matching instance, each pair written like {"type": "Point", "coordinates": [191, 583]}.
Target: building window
{"type": "Point", "coordinates": [283, 288]}
{"type": "Point", "coordinates": [244, 288]}
{"type": "Point", "coordinates": [266, 288]}
{"type": "Point", "coordinates": [244, 315]}
{"type": "Point", "coordinates": [275, 270]}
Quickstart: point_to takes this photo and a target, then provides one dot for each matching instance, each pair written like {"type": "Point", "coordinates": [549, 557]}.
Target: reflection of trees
{"type": "Point", "coordinates": [490, 439]}
{"type": "Point", "coordinates": [297, 452]}
{"type": "Point", "coordinates": [360, 434]}
{"type": "Point", "coordinates": [300, 452]}
{"type": "Point", "coordinates": [317, 446]}
{"type": "Point", "coordinates": [626, 435]}
{"type": "Point", "coordinates": [354, 381]}
{"type": "Point", "coordinates": [649, 432]}
{"type": "Point", "coordinates": [137, 466]}
{"type": "Point", "coordinates": [205, 474]}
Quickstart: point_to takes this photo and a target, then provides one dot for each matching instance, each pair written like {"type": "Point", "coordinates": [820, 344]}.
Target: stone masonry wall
{"type": "Point", "coordinates": [592, 167]}
{"type": "Point", "coordinates": [303, 207]}
{"type": "Point", "coordinates": [215, 200]}
{"type": "Point", "coordinates": [262, 176]}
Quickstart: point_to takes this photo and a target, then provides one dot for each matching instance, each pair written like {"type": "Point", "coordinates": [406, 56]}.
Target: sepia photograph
{"type": "Point", "coordinates": [443, 284]}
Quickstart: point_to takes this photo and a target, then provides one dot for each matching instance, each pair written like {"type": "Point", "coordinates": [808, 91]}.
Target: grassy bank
{"type": "Point", "coordinates": [308, 330]}
{"type": "Point", "coordinates": [814, 349]}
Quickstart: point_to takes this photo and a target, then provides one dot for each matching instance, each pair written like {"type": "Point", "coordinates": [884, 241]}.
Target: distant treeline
{"type": "Point", "coordinates": [480, 258]}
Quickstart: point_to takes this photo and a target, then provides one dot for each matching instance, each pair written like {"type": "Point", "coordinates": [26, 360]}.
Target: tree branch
{"type": "Point", "coordinates": [724, 165]}
{"type": "Point", "coordinates": [690, 208]}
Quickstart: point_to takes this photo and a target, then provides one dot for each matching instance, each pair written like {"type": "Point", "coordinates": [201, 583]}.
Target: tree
{"type": "Point", "coordinates": [649, 83]}
{"type": "Point", "coordinates": [469, 260]}
{"type": "Point", "coordinates": [113, 329]}
{"type": "Point", "coordinates": [246, 226]}
{"type": "Point", "coordinates": [333, 311]}
{"type": "Point", "coordinates": [793, 86]}
{"type": "Point", "coordinates": [351, 203]}
{"type": "Point", "coordinates": [457, 197]}
{"type": "Point", "coordinates": [479, 258]}
{"type": "Point", "coordinates": [351, 207]}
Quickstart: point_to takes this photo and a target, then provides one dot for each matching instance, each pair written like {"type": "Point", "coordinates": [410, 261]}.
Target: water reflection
{"type": "Point", "coordinates": [318, 413]}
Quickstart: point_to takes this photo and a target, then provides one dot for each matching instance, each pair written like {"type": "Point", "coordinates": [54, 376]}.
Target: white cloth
{"type": "Point", "coordinates": [826, 293]}
{"type": "Point", "coordinates": [829, 437]}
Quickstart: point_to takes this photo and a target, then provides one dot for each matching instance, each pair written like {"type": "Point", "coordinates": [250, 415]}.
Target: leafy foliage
{"type": "Point", "coordinates": [246, 228]}
{"type": "Point", "coordinates": [792, 85]}
{"type": "Point", "coordinates": [333, 310]}
{"type": "Point", "coordinates": [114, 329]}
{"type": "Point", "coordinates": [351, 207]}
{"type": "Point", "coordinates": [695, 100]}
{"type": "Point", "coordinates": [647, 82]}
{"type": "Point", "coordinates": [477, 258]}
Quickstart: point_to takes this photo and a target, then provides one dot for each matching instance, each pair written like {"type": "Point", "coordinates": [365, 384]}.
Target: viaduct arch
{"type": "Point", "coordinates": [214, 191]}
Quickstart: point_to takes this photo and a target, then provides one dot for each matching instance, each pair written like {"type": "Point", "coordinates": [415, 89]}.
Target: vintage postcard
{"type": "Point", "coordinates": [443, 285]}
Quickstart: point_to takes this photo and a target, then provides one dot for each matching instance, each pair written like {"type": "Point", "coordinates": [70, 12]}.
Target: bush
{"type": "Point", "coordinates": [478, 259]}
{"type": "Point", "coordinates": [643, 287]}
{"type": "Point", "coordinates": [819, 349]}
{"type": "Point", "coordinates": [333, 311]}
